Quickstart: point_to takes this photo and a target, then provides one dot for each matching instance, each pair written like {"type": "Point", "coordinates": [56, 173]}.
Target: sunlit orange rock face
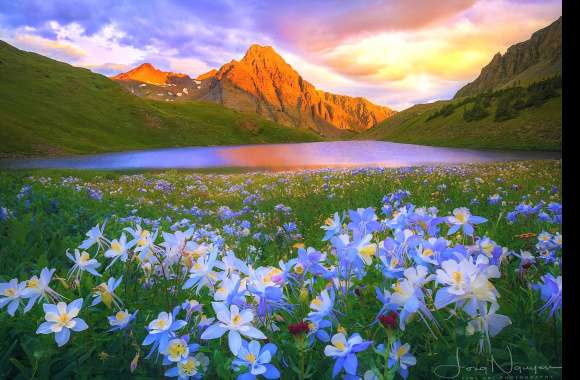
{"type": "Point", "coordinates": [146, 73]}
{"type": "Point", "coordinates": [263, 82]}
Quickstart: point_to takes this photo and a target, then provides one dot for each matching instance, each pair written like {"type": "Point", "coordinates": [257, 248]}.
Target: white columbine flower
{"type": "Point", "coordinates": [321, 306]}
{"type": "Point", "coordinates": [489, 323]}
{"type": "Point", "coordinates": [235, 322]}
{"type": "Point", "coordinates": [83, 262]}
{"type": "Point", "coordinates": [94, 236]}
{"type": "Point", "coordinates": [121, 319]}
{"type": "Point", "coordinates": [201, 272]}
{"type": "Point", "coordinates": [118, 250]}
{"type": "Point", "coordinates": [38, 288]}
{"type": "Point", "coordinates": [60, 319]}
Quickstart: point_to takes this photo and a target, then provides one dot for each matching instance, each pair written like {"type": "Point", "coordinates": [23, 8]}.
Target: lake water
{"type": "Point", "coordinates": [283, 156]}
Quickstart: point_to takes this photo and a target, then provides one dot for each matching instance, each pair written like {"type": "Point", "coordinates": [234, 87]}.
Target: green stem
{"type": "Point", "coordinates": [386, 355]}
{"type": "Point", "coordinates": [301, 343]}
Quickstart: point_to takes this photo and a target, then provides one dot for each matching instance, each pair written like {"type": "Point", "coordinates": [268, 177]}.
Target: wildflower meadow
{"type": "Point", "coordinates": [376, 273]}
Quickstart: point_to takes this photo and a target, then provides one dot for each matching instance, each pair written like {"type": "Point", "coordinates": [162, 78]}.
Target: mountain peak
{"type": "Point", "coordinates": [148, 73]}
{"type": "Point", "coordinates": [260, 49]}
{"type": "Point", "coordinates": [262, 53]}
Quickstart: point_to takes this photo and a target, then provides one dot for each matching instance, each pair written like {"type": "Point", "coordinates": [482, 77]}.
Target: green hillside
{"type": "Point", "coordinates": [527, 118]}
{"type": "Point", "coordinates": [49, 107]}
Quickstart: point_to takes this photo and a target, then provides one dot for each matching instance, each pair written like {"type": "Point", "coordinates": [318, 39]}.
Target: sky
{"type": "Point", "coordinates": [393, 52]}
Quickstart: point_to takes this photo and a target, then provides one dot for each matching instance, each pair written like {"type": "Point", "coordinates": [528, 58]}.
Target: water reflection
{"type": "Point", "coordinates": [283, 156]}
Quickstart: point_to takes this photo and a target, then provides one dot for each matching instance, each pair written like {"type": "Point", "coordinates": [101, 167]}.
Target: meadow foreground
{"type": "Point", "coordinates": [361, 273]}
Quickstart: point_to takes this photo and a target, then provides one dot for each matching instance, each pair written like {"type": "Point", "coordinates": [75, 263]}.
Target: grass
{"type": "Point", "coordinates": [51, 108]}
{"type": "Point", "coordinates": [51, 210]}
{"type": "Point", "coordinates": [534, 128]}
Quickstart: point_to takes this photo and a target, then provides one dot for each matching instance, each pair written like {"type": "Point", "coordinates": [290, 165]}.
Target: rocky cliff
{"type": "Point", "coordinates": [263, 82]}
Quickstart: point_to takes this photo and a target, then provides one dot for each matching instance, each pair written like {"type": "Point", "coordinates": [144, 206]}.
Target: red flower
{"type": "Point", "coordinates": [389, 320]}
{"type": "Point", "coordinates": [298, 328]}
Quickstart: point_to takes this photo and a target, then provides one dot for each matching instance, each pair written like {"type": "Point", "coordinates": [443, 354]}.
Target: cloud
{"type": "Point", "coordinates": [315, 26]}
{"type": "Point", "coordinates": [55, 49]}
{"type": "Point", "coordinates": [191, 66]}
{"type": "Point", "coordinates": [108, 68]}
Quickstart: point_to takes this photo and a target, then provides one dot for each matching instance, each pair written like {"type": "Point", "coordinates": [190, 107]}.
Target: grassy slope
{"type": "Point", "coordinates": [49, 107]}
{"type": "Point", "coordinates": [536, 128]}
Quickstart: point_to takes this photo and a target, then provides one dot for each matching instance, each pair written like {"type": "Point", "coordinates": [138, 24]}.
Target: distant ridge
{"type": "Point", "coordinates": [532, 60]}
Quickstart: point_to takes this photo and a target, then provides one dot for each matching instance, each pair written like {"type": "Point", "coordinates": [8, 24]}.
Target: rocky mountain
{"type": "Point", "coordinates": [262, 82]}
{"type": "Point", "coordinates": [529, 61]}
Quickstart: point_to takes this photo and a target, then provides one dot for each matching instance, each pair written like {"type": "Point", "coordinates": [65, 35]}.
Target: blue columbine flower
{"type": "Point", "coordinates": [401, 357]}
{"type": "Point", "coordinates": [551, 293]}
{"type": "Point", "coordinates": [121, 320]}
{"type": "Point", "coordinates": [162, 329]}
{"type": "Point", "coordinates": [344, 351]}
{"type": "Point", "coordinates": [191, 368]}
{"type": "Point", "coordinates": [462, 218]}
{"type": "Point", "coordinates": [256, 360]}
{"type": "Point", "coordinates": [364, 220]}
{"type": "Point", "coordinates": [332, 226]}
{"type": "Point", "coordinates": [317, 329]}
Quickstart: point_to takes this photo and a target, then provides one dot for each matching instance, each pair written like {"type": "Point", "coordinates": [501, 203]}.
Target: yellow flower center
{"type": "Point", "coordinates": [236, 319]}
{"type": "Point", "coordinates": [317, 301]}
{"type": "Point", "coordinates": [428, 252]}
{"type": "Point", "coordinates": [64, 319]}
{"type": "Point", "coordinates": [121, 316]}
{"type": "Point", "coordinates": [84, 258]}
{"type": "Point", "coordinates": [397, 287]}
{"type": "Point", "coordinates": [340, 346]}
{"type": "Point", "coordinates": [251, 358]}
{"type": "Point", "coordinates": [115, 246]}
{"type": "Point", "coordinates": [32, 283]}
{"type": "Point", "coordinates": [299, 268]}
{"type": "Point", "coordinates": [368, 251]}
{"type": "Point", "coordinates": [161, 324]}
{"type": "Point", "coordinates": [457, 277]}
{"type": "Point", "coordinates": [461, 217]}
{"type": "Point", "coordinates": [189, 367]}
{"type": "Point", "coordinates": [10, 292]}
{"type": "Point", "coordinates": [401, 351]}
{"type": "Point", "coordinates": [177, 349]}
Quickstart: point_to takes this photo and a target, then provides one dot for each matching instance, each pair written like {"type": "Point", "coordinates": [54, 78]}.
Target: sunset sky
{"type": "Point", "coordinates": [396, 53]}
